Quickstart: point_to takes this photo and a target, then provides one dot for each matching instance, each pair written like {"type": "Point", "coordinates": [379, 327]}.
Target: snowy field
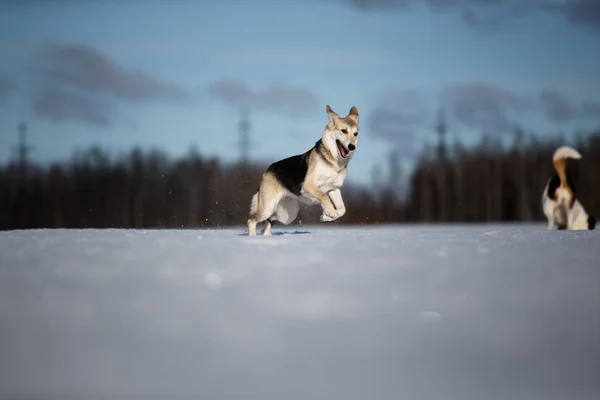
{"type": "Point", "coordinates": [321, 312]}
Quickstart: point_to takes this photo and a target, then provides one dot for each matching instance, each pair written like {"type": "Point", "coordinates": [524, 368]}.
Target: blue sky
{"type": "Point", "coordinates": [171, 74]}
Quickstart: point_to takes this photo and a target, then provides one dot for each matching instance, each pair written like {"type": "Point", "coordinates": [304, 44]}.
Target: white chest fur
{"type": "Point", "coordinates": [327, 178]}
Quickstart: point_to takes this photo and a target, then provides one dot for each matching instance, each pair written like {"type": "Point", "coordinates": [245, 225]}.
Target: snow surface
{"type": "Point", "coordinates": [319, 312]}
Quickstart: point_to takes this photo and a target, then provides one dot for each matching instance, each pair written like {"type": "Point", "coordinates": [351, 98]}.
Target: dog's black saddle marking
{"type": "Point", "coordinates": [555, 184]}
{"type": "Point", "coordinates": [291, 171]}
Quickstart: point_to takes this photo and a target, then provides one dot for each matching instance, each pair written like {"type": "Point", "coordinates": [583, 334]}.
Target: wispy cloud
{"type": "Point", "coordinates": [397, 118]}
{"type": "Point", "coordinates": [483, 106]}
{"type": "Point", "coordinates": [83, 84]}
{"type": "Point", "coordinates": [304, 58]}
{"type": "Point", "coordinates": [487, 13]}
{"type": "Point", "coordinates": [89, 69]}
{"type": "Point", "coordinates": [61, 105]}
{"type": "Point", "coordinates": [400, 116]}
{"type": "Point", "coordinates": [555, 106]}
{"type": "Point", "coordinates": [403, 116]}
{"type": "Point", "coordinates": [278, 98]}
{"type": "Point", "coordinates": [591, 109]}
{"type": "Point", "coordinates": [582, 12]}
{"type": "Point", "coordinates": [558, 108]}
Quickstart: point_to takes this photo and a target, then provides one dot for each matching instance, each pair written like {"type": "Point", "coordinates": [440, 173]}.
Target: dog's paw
{"type": "Point", "coordinates": [327, 218]}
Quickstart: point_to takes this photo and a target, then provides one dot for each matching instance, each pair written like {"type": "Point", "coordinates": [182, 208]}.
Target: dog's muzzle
{"type": "Point", "coordinates": [351, 147]}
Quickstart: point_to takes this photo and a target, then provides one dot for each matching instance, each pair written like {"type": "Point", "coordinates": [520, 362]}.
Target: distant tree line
{"type": "Point", "coordinates": [147, 189]}
{"type": "Point", "coordinates": [489, 182]}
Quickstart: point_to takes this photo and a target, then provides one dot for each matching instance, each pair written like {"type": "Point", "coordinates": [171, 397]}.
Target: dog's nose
{"type": "Point", "coordinates": [351, 147]}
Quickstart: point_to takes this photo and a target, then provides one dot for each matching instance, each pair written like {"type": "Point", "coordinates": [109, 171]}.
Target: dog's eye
{"type": "Point", "coordinates": [355, 133]}
{"type": "Point", "coordinates": [344, 131]}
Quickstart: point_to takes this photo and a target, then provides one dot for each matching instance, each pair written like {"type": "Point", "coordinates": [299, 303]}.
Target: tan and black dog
{"type": "Point", "coordinates": [313, 177]}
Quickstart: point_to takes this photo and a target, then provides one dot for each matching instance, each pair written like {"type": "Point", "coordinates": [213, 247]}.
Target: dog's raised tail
{"type": "Point", "coordinates": [559, 161]}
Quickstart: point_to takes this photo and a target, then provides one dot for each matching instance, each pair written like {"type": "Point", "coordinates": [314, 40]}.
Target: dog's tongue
{"type": "Point", "coordinates": [343, 150]}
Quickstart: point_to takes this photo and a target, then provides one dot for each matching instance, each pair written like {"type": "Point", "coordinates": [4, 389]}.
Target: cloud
{"type": "Point", "coordinates": [6, 88]}
{"type": "Point", "coordinates": [401, 116]}
{"type": "Point", "coordinates": [380, 4]}
{"type": "Point", "coordinates": [473, 12]}
{"type": "Point", "coordinates": [582, 12]}
{"type": "Point", "coordinates": [61, 105]}
{"type": "Point", "coordinates": [482, 106]}
{"type": "Point", "coordinates": [89, 69]}
{"type": "Point", "coordinates": [277, 98]}
{"type": "Point", "coordinates": [304, 58]}
{"type": "Point", "coordinates": [487, 13]}
{"type": "Point", "coordinates": [555, 106]}
{"type": "Point", "coordinates": [397, 117]}
{"type": "Point", "coordinates": [81, 83]}
{"type": "Point", "coordinates": [591, 109]}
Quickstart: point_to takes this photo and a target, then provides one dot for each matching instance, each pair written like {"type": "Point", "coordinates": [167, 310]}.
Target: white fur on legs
{"type": "Point", "coordinates": [578, 217]}
{"type": "Point", "coordinates": [251, 226]}
{"type": "Point", "coordinates": [550, 223]}
{"type": "Point", "coordinates": [282, 208]}
{"type": "Point", "coordinates": [263, 212]}
{"type": "Point", "coordinates": [560, 215]}
{"type": "Point", "coordinates": [268, 226]}
{"type": "Point", "coordinates": [251, 223]}
{"type": "Point", "coordinates": [326, 218]}
{"type": "Point", "coordinates": [338, 202]}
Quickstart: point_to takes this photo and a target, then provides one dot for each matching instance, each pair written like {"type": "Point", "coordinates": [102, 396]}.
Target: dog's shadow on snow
{"type": "Point", "coordinates": [282, 233]}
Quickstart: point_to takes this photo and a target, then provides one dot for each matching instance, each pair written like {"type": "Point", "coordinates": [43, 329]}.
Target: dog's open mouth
{"type": "Point", "coordinates": [343, 151]}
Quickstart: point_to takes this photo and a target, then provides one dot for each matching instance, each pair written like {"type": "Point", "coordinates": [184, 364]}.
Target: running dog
{"type": "Point", "coordinates": [313, 177]}
{"type": "Point", "coordinates": [559, 201]}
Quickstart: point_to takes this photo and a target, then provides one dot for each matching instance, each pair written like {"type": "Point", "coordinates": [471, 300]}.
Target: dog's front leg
{"type": "Point", "coordinates": [311, 190]}
{"type": "Point", "coordinates": [338, 202]}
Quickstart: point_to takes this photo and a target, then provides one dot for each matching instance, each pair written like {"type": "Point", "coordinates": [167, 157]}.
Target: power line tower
{"type": "Point", "coordinates": [23, 149]}
{"type": "Point", "coordinates": [441, 130]}
{"type": "Point", "coordinates": [244, 130]}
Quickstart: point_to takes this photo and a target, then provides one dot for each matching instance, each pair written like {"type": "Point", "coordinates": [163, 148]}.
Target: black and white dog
{"type": "Point", "coordinates": [559, 200]}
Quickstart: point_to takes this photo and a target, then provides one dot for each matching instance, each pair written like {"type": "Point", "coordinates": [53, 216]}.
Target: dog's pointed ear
{"type": "Point", "coordinates": [353, 115]}
{"type": "Point", "coordinates": [331, 114]}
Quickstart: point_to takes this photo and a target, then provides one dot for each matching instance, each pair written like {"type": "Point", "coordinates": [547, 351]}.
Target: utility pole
{"type": "Point", "coordinates": [23, 149]}
{"type": "Point", "coordinates": [441, 130]}
{"type": "Point", "coordinates": [441, 175]}
{"type": "Point", "coordinates": [244, 130]}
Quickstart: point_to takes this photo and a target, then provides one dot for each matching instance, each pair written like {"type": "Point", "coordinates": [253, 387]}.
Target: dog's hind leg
{"type": "Point", "coordinates": [285, 212]}
{"type": "Point", "coordinates": [251, 223]}
{"type": "Point", "coordinates": [560, 216]}
{"type": "Point", "coordinates": [268, 198]}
